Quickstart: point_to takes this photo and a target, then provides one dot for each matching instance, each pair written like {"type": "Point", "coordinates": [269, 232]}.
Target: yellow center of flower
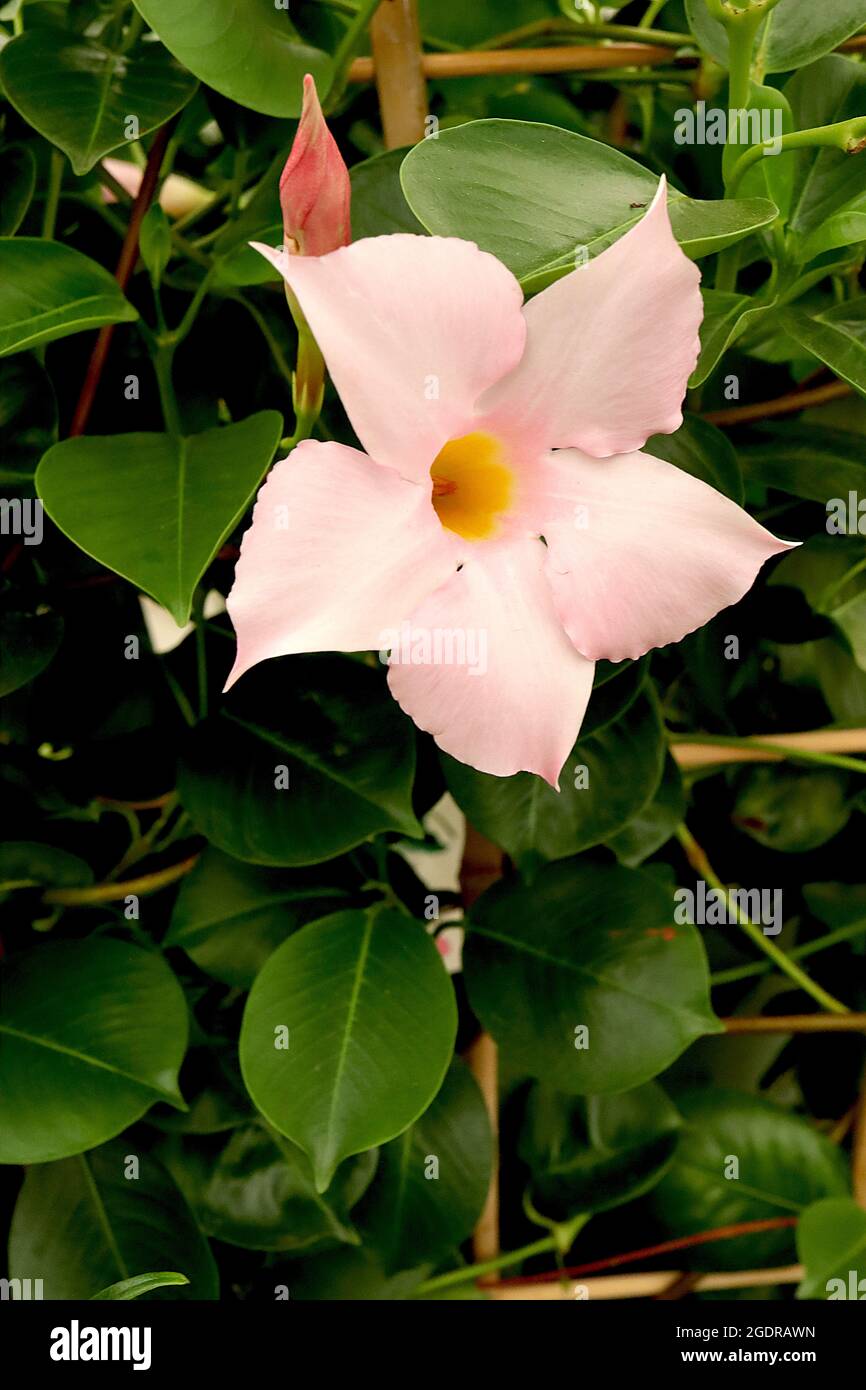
{"type": "Point", "coordinates": [472, 486]}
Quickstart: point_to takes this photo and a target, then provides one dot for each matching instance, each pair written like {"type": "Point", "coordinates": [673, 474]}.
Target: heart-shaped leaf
{"type": "Point", "coordinates": [87, 98]}
{"type": "Point", "coordinates": [155, 507]}
{"type": "Point", "coordinates": [48, 291]}
{"type": "Point", "coordinates": [347, 1033]}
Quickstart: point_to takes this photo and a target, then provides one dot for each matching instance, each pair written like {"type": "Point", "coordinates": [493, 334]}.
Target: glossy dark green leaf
{"type": "Point", "coordinates": [655, 822]}
{"type": "Point", "coordinates": [155, 508]}
{"type": "Point", "coordinates": [310, 757]}
{"type": "Point", "coordinates": [28, 420]}
{"type": "Point", "coordinates": [82, 95]}
{"type": "Point", "coordinates": [251, 53]}
{"type": "Point", "coordinates": [347, 1033]}
{"type": "Point", "coordinates": [18, 181]}
{"type": "Point", "coordinates": [699, 448]}
{"type": "Point", "coordinates": [583, 979]}
{"type": "Point", "coordinates": [455, 22]}
{"type": "Point", "coordinates": [432, 1181]}
{"type": "Point", "coordinates": [831, 1244]}
{"type": "Point", "coordinates": [379, 205]}
{"type": "Point", "coordinates": [726, 316]}
{"type": "Point", "coordinates": [48, 291]}
{"type": "Point", "coordinates": [533, 194]}
{"type": "Point", "coordinates": [89, 1221]}
{"type": "Point", "coordinates": [28, 641]}
{"type": "Point", "coordinates": [75, 1071]}
{"type": "Point", "coordinates": [594, 1153]}
{"type": "Point", "coordinates": [139, 1284]}
{"type": "Point", "coordinates": [229, 916]}
{"type": "Point", "coordinates": [741, 1158]}
{"type": "Point", "coordinates": [607, 779]}
{"type": "Point", "coordinates": [260, 1195]}
{"type": "Point", "coordinates": [794, 33]}
{"type": "Point", "coordinates": [828, 207]}
{"type": "Point", "coordinates": [814, 461]}
{"type": "Point", "coordinates": [836, 337]}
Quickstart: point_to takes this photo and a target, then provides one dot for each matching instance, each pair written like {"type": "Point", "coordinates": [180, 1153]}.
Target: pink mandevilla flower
{"type": "Point", "coordinates": [503, 490]}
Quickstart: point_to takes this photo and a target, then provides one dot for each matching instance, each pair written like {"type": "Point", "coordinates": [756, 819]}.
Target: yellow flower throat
{"type": "Point", "coordinates": [472, 486]}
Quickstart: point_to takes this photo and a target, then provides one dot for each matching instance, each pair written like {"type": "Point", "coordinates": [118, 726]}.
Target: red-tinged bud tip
{"type": "Point", "coordinates": [314, 187]}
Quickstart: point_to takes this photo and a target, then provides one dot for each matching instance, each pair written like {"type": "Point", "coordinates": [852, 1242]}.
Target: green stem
{"type": "Point", "coordinates": [189, 318]}
{"type": "Point", "coordinates": [763, 967]}
{"type": "Point", "coordinates": [345, 51]}
{"type": "Point", "coordinates": [781, 750]}
{"type": "Point", "coordinates": [653, 10]}
{"type": "Point", "coordinates": [699, 862]}
{"type": "Point", "coordinates": [467, 1273]}
{"type": "Point", "coordinates": [162, 365]}
{"type": "Point", "coordinates": [848, 136]}
{"type": "Point", "coordinates": [280, 360]}
{"type": "Point", "coordinates": [52, 196]}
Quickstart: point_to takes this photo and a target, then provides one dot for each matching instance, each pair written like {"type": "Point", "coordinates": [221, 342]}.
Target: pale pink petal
{"type": "Point", "coordinates": [412, 329]}
{"type": "Point", "coordinates": [339, 552]}
{"type": "Point", "coordinates": [641, 553]}
{"type": "Point", "coordinates": [516, 701]}
{"type": "Point", "coordinates": [611, 346]}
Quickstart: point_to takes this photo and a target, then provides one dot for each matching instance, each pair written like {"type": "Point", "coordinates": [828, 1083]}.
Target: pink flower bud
{"type": "Point", "coordinates": [314, 187]}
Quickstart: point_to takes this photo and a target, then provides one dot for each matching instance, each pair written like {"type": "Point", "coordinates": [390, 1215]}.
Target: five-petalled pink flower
{"type": "Point", "coordinates": [503, 489]}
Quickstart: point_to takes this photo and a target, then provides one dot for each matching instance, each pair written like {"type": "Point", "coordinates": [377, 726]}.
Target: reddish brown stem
{"type": "Point", "coordinates": [123, 274]}
{"type": "Point", "coordinates": [649, 1252]}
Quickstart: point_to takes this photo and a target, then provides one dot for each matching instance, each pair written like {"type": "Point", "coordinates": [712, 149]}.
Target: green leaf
{"type": "Point", "coordinates": [837, 338]}
{"type": "Point", "coordinates": [155, 508]}
{"type": "Point", "coordinates": [532, 194]}
{"type": "Point", "coordinates": [592, 947]}
{"type": "Point", "coordinates": [796, 32]}
{"type": "Point", "coordinates": [726, 316]}
{"type": "Point", "coordinates": [48, 291]}
{"type": "Point", "coordinates": [367, 1011]}
{"type": "Point", "coordinates": [699, 448]}
{"type": "Point", "coordinates": [83, 1224]}
{"type": "Point", "coordinates": [347, 751]}
{"type": "Point", "coordinates": [654, 823]}
{"type": "Point", "coordinates": [154, 242]}
{"type": "Point", "coordinates": [609, 776]}
{"type": "Point", "coordinates": [229, 916]}
{"type": "Point", "coordinates": [455, 22]}
{"type": "Point", "coordinates": [432, 1181]}
{"type": "Point", "coordinates": [139, 1284]}
{"type": "Point", "coordinates": [379, 206]}
{"type": "Point", "coordinates": [260, 1195]}
{"type": "Point", "coordinates": [741, 1158]}
{"type": "Point", "coordinates": [82, 96]}
{"type": "Point", "coordinates": [590, 1154]}
{"type": "Point", "coordinates": [828, 198]}
{"type": "Point", "coordinates": [75, 1071]}
{"type": "Point", "coordinates": [28, 641]}
{"type": "Point", "coordinates": [831, 1243]}
{"type": "Point", "coordinates": [813, 461]}
{"type": "Point", "coordinates": [28, 420]}
{"type": "Point", "coordinates": [792, 809]}
{"type": "Point", "coordinates": [18, 181]}
{"type": "Point", "coordinates": [27, 864]}
{"type": "Point", "coordinates": [251, 53]}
